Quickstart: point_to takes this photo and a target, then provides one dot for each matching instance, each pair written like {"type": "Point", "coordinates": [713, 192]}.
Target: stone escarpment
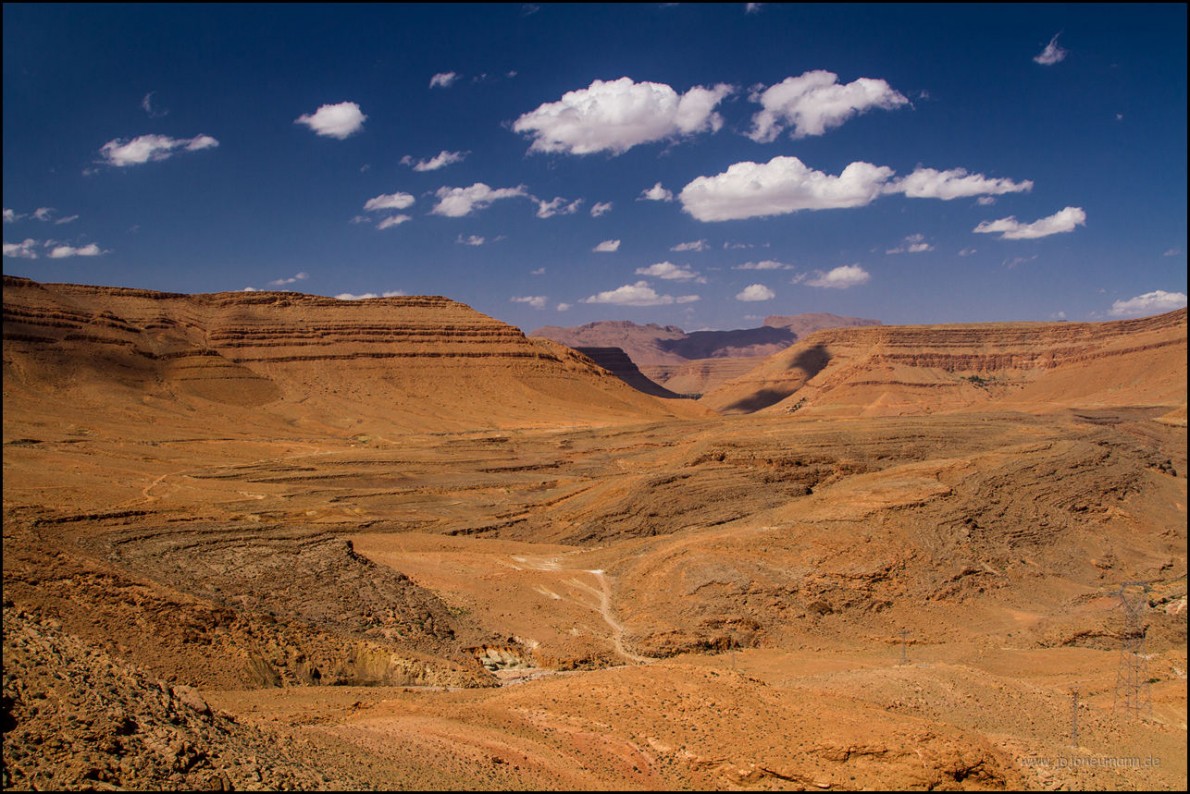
{"type": "Point", "coordinates": [895, 370]}
{"type": "Point", "coordinates": [428, 360]}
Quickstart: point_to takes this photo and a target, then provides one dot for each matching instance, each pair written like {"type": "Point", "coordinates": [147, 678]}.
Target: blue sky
{"type": "Point", "coordinates": [697, 165]}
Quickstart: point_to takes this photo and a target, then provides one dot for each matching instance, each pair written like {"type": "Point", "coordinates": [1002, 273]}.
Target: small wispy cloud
{"type": "Point", "coordinates": [1051, 54]}
{"type": "Point", "coordinates": [444, 79]}
{"type": "Point", "coordinates": [393, 220]}
{"type": "Point", "coordinates": [147, 105]}
{"type": "Point", "coordinates": [913, 244]}
{"type": "Point", "coordinates": [440, 160]}
{"type": "Point", "coordinates": [1014, 262]}
{"type": "Point", "coordinates": [334, 121]}
{"type": "Point", "coordinates": [11, 216]}
{"type": "Point", "coordinates": [693, 245]}
{"type": "Point", "coordinates": [557, 206]}
{"type": "Point", "coordinates": [390, 201]}
{"type": "Point", "coordinates": [296, 277]}
{"type": "Point", "coordinates": [1010, 228]}
{"type": "Point", "coordinates": [670, 272]}
{"type": "Point", "coordinates": [607, 247]}
{"type": "Point", "coordinates": [601, 208]}
{"type": "Point", "coordinates": [151, 148]}
{"type": "Point", "coordinates": [471, 239]}
{"type": "Point", "coordinates": [384, 203]}
{"type": "Point", "coordinates": [764, 264]}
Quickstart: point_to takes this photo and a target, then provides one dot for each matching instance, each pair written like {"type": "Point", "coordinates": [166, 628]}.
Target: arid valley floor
{"type": "Point", "coordinates": [272, 540]}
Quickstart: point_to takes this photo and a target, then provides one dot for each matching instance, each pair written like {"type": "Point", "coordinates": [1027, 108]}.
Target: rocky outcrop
{"type": "Point", "coordinates": [75, 718]}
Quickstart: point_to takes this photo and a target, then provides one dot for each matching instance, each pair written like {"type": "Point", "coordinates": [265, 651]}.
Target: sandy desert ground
{"type": "Point", "coordinates": [277, 541]}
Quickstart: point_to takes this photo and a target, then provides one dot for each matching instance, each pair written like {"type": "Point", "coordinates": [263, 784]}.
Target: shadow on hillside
{"type": "Point", "coordinates": [811, 361]}
{"type": "Point", "coordinates": [761, 399]}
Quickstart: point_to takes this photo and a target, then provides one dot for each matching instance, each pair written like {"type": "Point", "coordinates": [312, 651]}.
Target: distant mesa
{"type": "Point", "coordinates": [696, 362]}
{"type": "Point", "coordinates": [915, 370]}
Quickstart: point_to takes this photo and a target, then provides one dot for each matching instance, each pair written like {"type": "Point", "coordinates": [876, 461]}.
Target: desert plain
{"type": "Point", "coordinates": [259, 541]}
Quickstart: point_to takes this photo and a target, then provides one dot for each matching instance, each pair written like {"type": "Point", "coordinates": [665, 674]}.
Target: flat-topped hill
{"type": "Point", "coordinates": [421, 363]}
{"type": "Point", "coordinates": [902, 370]}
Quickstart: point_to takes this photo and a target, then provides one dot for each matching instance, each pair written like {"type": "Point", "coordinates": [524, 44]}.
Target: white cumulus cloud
{"type": "Point", "coordinates": [443, 80]}
{"type": "Point", "coordinates": [536, 301]}
{"type": "Point", "coordinates": [1051, 54]}
{"type": "Point", "coordinates": [840, 277]}
{"type": "Point", "coordinates": [22, 250]}
{"type": "Point", "coordinates": [440, 160]}
{"type": "Point", "coordinates": [952, 184]}
{"type": "Point", "coordinates": [693, 245]}
{"type": "Point", "coordinates": [816, 102]}
{"type": "Point", "coordinates": [347, 296]}
{"type": "Point", "coordinates": [1011, 229]}
{"type": "Point", "coordinates": [64, 251]}
{"type": "Point", "coordinates": [458, 202]}
{"type": "Point", "coordinates": [786, 184]}
{"type": "Point", "coordinates": [755, 292]}
{"type": "Point", "coordinates": [778, 187]}
{"type": "Point", "coordinates": [146, 148]}
{"type": "Point", "coordinates": [607, 247]}
{"type": "Point", "coordinates": [1154, 302]}
{"type": "Point", "coordinates": [10, 215]}
{"type": "Point", "coordinates": [656, 193]}
{"type": "Point", "coordinates": [638, 294]}
{"type": "Point", "coordinates": [613, 116]}
{"type": "Point", "coordinates": [334, 121]}
{"type": "Point", "coordinates": [670, 272]}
